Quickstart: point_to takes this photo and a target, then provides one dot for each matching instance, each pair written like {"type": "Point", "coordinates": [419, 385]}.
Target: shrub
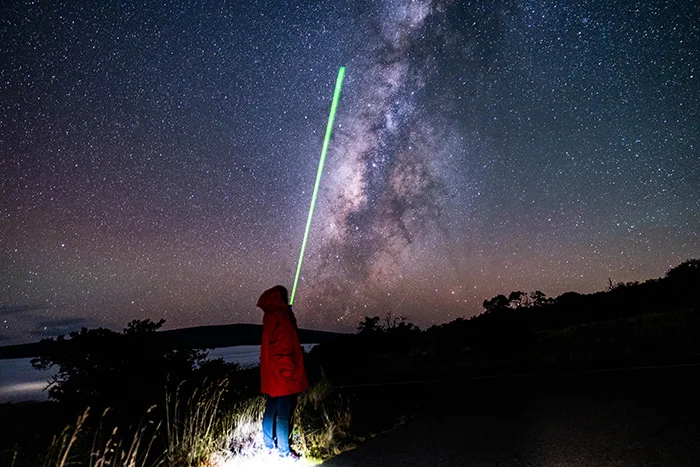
{"type": "Point", "coordinates": [101, 368]}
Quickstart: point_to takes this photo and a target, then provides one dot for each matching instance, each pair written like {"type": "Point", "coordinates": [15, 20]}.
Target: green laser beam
{"type": "Point", "coordinates": [326, 140]}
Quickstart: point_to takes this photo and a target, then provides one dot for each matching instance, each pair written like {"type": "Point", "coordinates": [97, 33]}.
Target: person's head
{"type": "Point", "coordinates": [274, 298]}
{"type": "Point", "coordinates": [283, 292]}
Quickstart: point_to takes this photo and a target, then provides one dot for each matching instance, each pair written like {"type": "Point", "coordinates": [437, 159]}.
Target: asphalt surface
{"type": "Point", "coordinates": [643, 417]}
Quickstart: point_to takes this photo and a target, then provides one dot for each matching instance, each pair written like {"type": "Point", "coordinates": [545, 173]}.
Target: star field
{"type": "Point", "coordinates": [157, 160]}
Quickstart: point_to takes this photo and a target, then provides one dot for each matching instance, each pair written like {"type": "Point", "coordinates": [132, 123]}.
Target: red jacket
{"type": "Point", "coordinates": [281, 360]}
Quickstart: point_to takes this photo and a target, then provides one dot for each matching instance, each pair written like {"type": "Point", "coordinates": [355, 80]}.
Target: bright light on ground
{"type": "Point", "coordinates": [260, 460]}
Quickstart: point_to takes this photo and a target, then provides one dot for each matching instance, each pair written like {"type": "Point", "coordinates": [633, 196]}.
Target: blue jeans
{"type": "Point", "coordinates": [277, 422]}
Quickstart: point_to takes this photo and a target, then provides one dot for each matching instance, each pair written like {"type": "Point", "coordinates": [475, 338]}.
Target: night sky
{"type": "Point", "coordinates": [157, 158]}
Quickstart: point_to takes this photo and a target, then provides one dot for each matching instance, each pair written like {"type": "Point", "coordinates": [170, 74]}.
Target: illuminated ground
{"type": "Point", "coordinates": [632, 418]}
{"type": "Point", "coordinates": [263, 461]}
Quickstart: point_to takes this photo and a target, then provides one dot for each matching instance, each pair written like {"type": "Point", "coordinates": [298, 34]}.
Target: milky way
{"type": "Point", "coordinates": [157, 160]}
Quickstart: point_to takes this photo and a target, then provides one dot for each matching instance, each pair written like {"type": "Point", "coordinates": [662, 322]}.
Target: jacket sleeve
{"type": "Point", "coordinates": [282, 346]}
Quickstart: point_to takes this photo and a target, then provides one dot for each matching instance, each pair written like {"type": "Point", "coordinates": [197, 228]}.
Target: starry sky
{"type": "Point", "coordinates": [157, 158]}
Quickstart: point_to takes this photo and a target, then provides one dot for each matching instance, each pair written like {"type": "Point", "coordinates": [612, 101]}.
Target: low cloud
{"type": "Point", "coordinates": [54, 327]}
{"type": "Point", "coordinates": [13, 309]}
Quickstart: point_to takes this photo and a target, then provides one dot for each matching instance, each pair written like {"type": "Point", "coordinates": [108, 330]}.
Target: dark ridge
{"type": "Point", "coordinates": [202, 337]}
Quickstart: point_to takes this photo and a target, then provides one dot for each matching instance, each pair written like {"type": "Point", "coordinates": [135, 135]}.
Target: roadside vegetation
{"type": "Point", "coordinates": [128, 399]}
{"type": "Point", "coordinates": [654, 322]}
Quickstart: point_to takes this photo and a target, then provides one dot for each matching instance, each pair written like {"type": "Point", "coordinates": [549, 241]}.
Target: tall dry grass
{"type": "Point", "coordinates": [199, 432]}
{"type": "Point", "coordinates": [194, 426]}
{"type": "Point", "coordinates": [65, 450]}
{"type": "Point", "coordinates": [321, 423]}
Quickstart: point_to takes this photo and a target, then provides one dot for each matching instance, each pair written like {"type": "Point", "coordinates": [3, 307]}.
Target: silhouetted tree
{"type": "Point", "coordinates": [369, 325]}
{"type": "Point", "coordinates": [619, 285]}
{"type": "Point", "coordinates": [392, 324]}
{"type": "Point", "coordinates": [499, 302]}
{"type": "Point", "coordinates": [100, 367]}
{"type": "Point", "coordinates": [686, 271]}
{"type": "Point", "coordinates": [398, 325]}
{"type": "Point", "coordinates": [517, 300]}
{"type": "Point", "coordinates": [537, 298]}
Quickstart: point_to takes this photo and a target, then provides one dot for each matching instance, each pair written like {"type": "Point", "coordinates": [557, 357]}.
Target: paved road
{"type": "Point", "coordinates": [632, 418]}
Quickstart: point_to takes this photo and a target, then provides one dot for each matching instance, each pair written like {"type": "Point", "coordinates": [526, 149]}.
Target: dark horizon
{"type": "Point", "coordinates": [688, 268]}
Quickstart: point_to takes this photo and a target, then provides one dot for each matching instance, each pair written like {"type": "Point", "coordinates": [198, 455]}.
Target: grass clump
{"type": "Point", "coordinates": [322, 423]}
{"type": "Point", "coordinates": [70, 448]}
{"type": "Point", "coordinates": [194, 428]}
{"type": "Point", "coordinates": [321, 427]}
{"type": "Point", "coordinates": [199, 431]}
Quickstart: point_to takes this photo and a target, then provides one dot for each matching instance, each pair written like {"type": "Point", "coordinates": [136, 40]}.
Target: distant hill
{"type": "Point", "coordinates": [208, 337]}
{"type": "Point", "coordinates": [229, 335]}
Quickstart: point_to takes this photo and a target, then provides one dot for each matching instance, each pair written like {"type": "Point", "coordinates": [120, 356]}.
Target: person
{"type": "Point", "coordinates": [282, 372]}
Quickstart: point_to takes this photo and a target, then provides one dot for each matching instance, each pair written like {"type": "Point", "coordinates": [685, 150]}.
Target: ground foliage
{"type": "Point", "coordinates": [656, 321]}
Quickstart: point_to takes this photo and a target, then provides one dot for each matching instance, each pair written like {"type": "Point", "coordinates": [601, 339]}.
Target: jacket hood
{"type": "Point", "coordinates": [272, 300]}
